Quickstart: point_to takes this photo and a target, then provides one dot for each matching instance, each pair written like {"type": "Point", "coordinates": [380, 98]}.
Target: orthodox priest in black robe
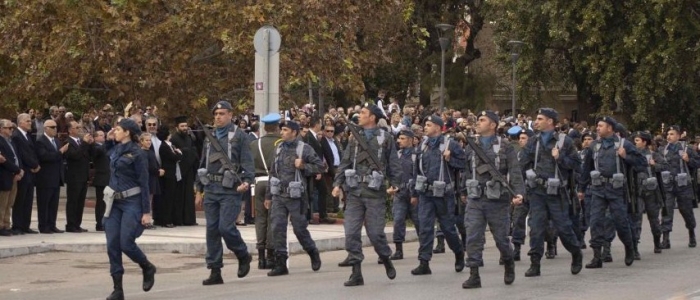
{"type": "Point", "coordinates": [183, 208]}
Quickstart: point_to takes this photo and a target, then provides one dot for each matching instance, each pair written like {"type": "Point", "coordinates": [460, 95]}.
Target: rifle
{"type": "Point", "coordinates": [570, 191]}
{"type": "Point", "coordinates": [629, 196]}
{"type": "Point", "coordinates": [661, 194]}
{"type": "Point", "coordinates": [374, 160]}
{"type": "Point", "coordinates": [221, 155]}
{"type": "Point", "coordinates": [495, 174]}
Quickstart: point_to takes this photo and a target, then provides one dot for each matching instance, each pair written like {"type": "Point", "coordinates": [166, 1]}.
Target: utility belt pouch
{"type": "Point", "coordinates": [351, 179]}
{"type": "Point", "coordinates": [275, 186]}
{"type": "Point", "coordinates": [618, 180]}
{"type": "Point", "coordinates": [421, 183]}
{"type": "Point", "coordinates": [493, 190]}
{"type": "Point", "coordinates": [439, 188]}
{"type": "Point", "coordinates": [530, 176]}
{"type": "Point", "coordinates": [202, 175]}
{"type": "Point", "coordinates": [295, 189]}
{"type": "Point", "coordinates": [666, 177]}
{"type": "Point", "coordinates": [553, 185]}
{"type": "Point", "coordinates": [596, 178]}
{"type": "Point", "coordinates": [473, 188]}
{"type": "Point", "coordinates": [376, 181]}
{"type": "Point", "coordinates": [650, 184]}
{"type": "Point", "coordinates": [682, 179]}
{"type": "Point", "coordinates": [228, 180]}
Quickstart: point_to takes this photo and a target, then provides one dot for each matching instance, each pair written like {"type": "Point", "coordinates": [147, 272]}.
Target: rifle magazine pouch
{"type": "Point", "coordinates": [553, 185]}
{"type": "Point", "coordinates": [530, 176]}
{"type": "Point", "coordinates": [228, 180]}
{"type": "Point", "coordinates": [618, 180]}
{"type": "Point", "coordinates": [439, 188]}
{"type": "Point", "coordinates": [275, 186]}
{"type": "Point", "coordinates": [595, 178]}
{"type": "Point", "coordinates": [682, 179]}
{"type": "Point", "coordinates": [351, 179]}
{"type": "Point", "coordinates": [493, 190]}
{"type": "Point", "coordinates": [376, 181]}
{"type": "Point", "coordinates": [296, 189]}
{"type": "Point", "coordinates": [650, 184]}
{"type": "Point", "coordinates": [666, 177]}
{"type": "Point", "coordinates": [420, 183]}
{"type": "Point", "coordinates": [473, 188]}
{"type": "Point", "coordinates": [202, 175]}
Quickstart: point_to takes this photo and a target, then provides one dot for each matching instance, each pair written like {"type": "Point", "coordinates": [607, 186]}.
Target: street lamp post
{"type": "Point", "coordinates": [514, 55]}
{"type": "Point", "coordinates": [444, 43]}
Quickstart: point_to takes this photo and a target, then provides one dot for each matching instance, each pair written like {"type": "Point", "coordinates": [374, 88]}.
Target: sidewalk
{"type": "Point", "coordinates": [182, 239]}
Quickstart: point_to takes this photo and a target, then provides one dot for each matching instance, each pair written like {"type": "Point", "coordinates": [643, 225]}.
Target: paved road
{"type": "Point", "coordinates": [59, 275]}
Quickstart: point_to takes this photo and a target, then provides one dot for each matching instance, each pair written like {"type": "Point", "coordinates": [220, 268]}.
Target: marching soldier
{"type": "Point", "coordinates": [649, 195]}
{"type": "Point", "coordinates": [285, 196]}
{"type": "Point", "coordinates": [603, 170]}
{"type": "Point", "coordinates": [437, 159]}
{"type": "Point", "coordinates": [487, 202]}
{"type": "Point", "coordinates": [520, 212]}
{"type": "Point", "coordinates": [368, 158]}
{"type": "Point", "coordinates": [677, 184]}
{"type": "Point", "coordinates": [548, 161]}
{"type": "Point", "coordinates": [402, 205]}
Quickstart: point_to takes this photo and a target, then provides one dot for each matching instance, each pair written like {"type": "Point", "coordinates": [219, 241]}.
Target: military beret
{"type": "Point", "coordinates": [529, 132]}
{"type": "Point", "coordinates": [435, 119]}
{"type": "Point", "coordinates": [644, 136]}
{"type": "Point", "coordinates": [407, 133]}
{"type": "Point", "coordinates": [491, 115]}
{"type": "Point", "coordinates": [130, 125]}
{"type": "Point", "coordinates": [588, 133]}
{"type": "Point", "coordinates": [515, 130]}
{"type": "Point", "coordinates": [610, 120]}
{"type": "Point", "coordinates": [291, 125]}
{"type": "Point", "coordinates": [674, 127]}
{"type": "Point", "coordinates": [223, 104]}
{"type": "Point", "coordinates": [180, 119]}
{"type": "Point", "coordinates": [375, 110]}
{"type": "Point", "coordinates": [549, 113]}
{"type": "Point", "coordinates": [271, 118]}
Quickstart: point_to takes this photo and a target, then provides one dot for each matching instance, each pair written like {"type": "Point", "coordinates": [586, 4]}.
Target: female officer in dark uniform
{"type": "Point", "coordinates": [131, 209]}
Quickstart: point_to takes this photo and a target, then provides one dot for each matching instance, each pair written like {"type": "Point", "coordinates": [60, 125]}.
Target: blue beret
{"type": "Point", "coordinates": [375, 110]}
{"type": "Point", "coordinates": [515, 130]}
{"type": "Point", "coordinates": [130, 125]}
{"type": "Point", "coordinates": [549, 113]}
{"type": "Point", "coordinates": [610, 120]}
{"type": "Point", "coordinates": [491, 115]}
{"type": "Point", "coordinates": [291, 125]}
{"type": "Point", "coordinates": [407, 133]}
{"type": "Point", "coordinates": [435, 119]}
{"type": "Point", "coordinates": [223, 104]}
{"type": "Point", "coordinates": [271, 118]}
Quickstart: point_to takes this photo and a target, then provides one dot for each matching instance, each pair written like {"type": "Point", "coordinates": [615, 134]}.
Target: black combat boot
{"type": "Point", "coordinates": [389, 267]}
{"type": "Point", "coordinates": [398, 254]}
{"type": "Point", "coordinates": [666, 243]}
{"type": "Point", "coordinates": [516, 252]}
{"type": "Point", "coordinates": [576, 262]}
{"type": "Point", "coordinates": [280, 266]}
{"type": "Point", "coordinates": [244, 265]}
{"type": "Point", "coordinates": [315, 259]}
{"type": "Point", "coordinates": [607, 256]}
{"type": "Point", "coordinates": [270, 261]}
{"type": "Point", "coordinates": [637, 255]}
{"type": "Point", "coordinates": [356, 276]}
{"type": "Point", "coordinates": [534, 269]}
{"type": "Point", "coordinates": [509, 275]}
{"type": "Point", "coordinates": [422, 269]}
{"type": "Point", "coordinates": [214, 277]}
{"type": "Point", "coordinates": [549, 254]}
{"type": "Point", "coordinates": [596, 262]}
{"type": "Point", "coordinates": [118, 293]}
{"type": "Point", "coordinates": [149, 275]}
{"type": "Point", "coordinates": [657, 244]}
{"type": "Point", "coordinates": [629, 255]}
{"type": "Point", "coordinates": [262, 262]}
{"type": "Point", "coordinates": [474, 280]}
{"type": "Point", "coordinates": [440, 248]}
{"type": "Point", "coordinates": [345, 263]}
{"type": "Point", "coordinates": [691, 238]}
{"type": "Point", "coordinates": [459, 261]}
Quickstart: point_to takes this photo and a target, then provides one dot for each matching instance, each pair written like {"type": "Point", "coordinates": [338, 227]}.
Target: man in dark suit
{"type": "Point", "coordinates": [77, 175]}
{"type": "Point", "coordinates": [332, 154]}
{"type": "Point", "coordinates": [317, 188]}
{"type": "Point", "coordinates": [24, 145]}
{"type": "Point", "coordinates": [100, 161]}
{"type": "Point", "coordinates": [49, 179]}
{"type": "Point", "coordinates": [10, 173]}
